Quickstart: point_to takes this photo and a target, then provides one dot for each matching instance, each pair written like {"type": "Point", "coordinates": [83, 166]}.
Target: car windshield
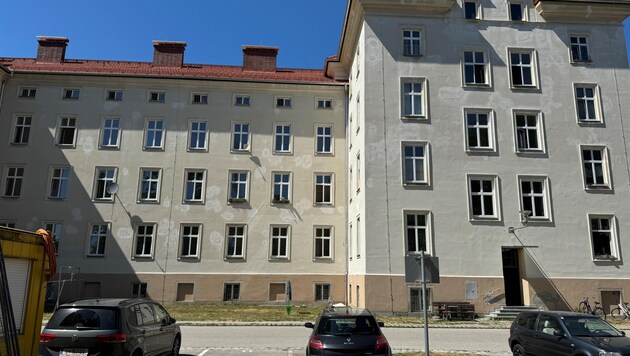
{"type": "Point", "coordinates": [84, 319]}
{"type": "Point", "coordinates": [587, 326]}
{"type": "Point", "coordinates": [348, 325]}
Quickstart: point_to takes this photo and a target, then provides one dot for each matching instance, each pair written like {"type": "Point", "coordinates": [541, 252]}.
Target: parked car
{"type": "Point", "coordinates": [550, 333]}
{"type": "Point", "coordinates": [134, 327]}
{"type": "Point", "coordinates": [346, 331]}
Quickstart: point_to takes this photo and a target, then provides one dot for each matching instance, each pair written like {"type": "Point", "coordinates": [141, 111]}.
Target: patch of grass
{"type": "Point", "coordinates": [241, 312]}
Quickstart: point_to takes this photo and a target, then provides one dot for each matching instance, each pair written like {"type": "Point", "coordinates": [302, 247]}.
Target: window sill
{"type": "Point", "coordinates": [237, 200]}
{"type": "Point", "coordinates": [597, 188]}
{"type": "Point", "coordinates": [605, 258]}
{"type": "Point", "coordinates": [281, 201]}
{"type": "Point", "coordinates": [323, 204]}
{"type": "Point", "coordinates": [414, 118]}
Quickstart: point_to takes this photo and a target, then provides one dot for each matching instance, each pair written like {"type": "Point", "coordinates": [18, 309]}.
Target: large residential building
{"type": "Point", "coordinates": [489, 134]}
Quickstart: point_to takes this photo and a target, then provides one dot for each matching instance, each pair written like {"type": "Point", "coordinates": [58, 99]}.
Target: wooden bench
{"type": "Point", "coordinates": [454, 310]}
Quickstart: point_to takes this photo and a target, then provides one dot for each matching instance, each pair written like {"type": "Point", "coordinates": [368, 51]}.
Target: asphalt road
{"type": "Point", "coordinates": [291, 340]}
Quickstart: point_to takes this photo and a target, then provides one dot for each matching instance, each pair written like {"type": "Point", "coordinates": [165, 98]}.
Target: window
{"type": "Point", "coordinates": [110, 133]}
{"type": "Point", "coordinates": [150, 185]}
{"type": "Point", "coordinates": [413, 98]}
{"type": "Point", "coordinates": [138, 290]}
{"type": "Point", "coordinates": [323, 188]}
{"type": "Point", "coordinates": [595, 165]}
{"type": "Point", "coordinates": [241, 100]}
{"type": "Point", "coordinates": [358, 171]}
{"type": "Point", "coordinates": [27, 92]}
{"type": "Point", "coordinates": [415, 299]}
{"type": "Point", "coordinates": [517, 11]}
{"type": "Point", "coordinates": [153, 134]}
{"type": "Point", "coordinates": [284, 102]}
{"type": "Point", "coordinates": [198, 135]}
{"type": "Point", "coordinates": [472, 10]}
{"type": "Point", "coordinates": [322, 291]}
{"type": "Point", "coordinates": [7, 223]}
{"type": "Point", "coordinates": [190, 240]}
{"type": "Point", "coordinates": [13, 181]}
{"type": "Point", "coordinates": [412, 43]}
{"type": "Point", "coordinates": [281, 187]}
{"type": "Point", "coordinates": [59, 178]}
{"type": "Point", "coordinates": [534, 197]}
{"type": "Point", "coordinates": [157, 96]}
{"type": "Point", "coordinates": [145, 237]}
{"type": "Point", "coordinates": [235, 245]}
{"type": "Point", "coordinates": [114, 95]}
{"type": "Point", "coordinates": [103, 178]}
{"type": "Point", "coordinates": [238, 186]}
{"type": "Point", "coordinates": [579, 48]}
{"type": "Point", "coordinates": [483, 197]}
{"type": "Point", "coordinates": [199, 98]}
{"type": "Point", "coordinates": [240, 137]}
{"type": "Point", "coordinates": [71, 94]}
{"type": "Point", "coordinates": [359, 237]}
{"type": "Point", "coordinates": [605, 244]}
{"type": "Point", "coordinates": [416, 231]}
{"type": "Point", "coordinates": [415, 163]}
{"type": "Point", "coordinates": [282, 138]}
{"type": "Point", "coordinates": [522, 68]}
{"type": "Point", "coordinates": [323, 139]}
{"type": "Point", "coordinates": [66, 131]}
{"type": "Point", "coordinates": [231, 291]}
{"type": "Point", "coordinates": [323, 242]}
{"type": "Point", "coordinates": [195, 186]}
{"type": "Point", "coordinates": [98, 237]}
{"type": "Point", "coordinates": [475, 68]}
{"type": "Point", "coordinates": [587, 103]}
{"type": "Point", "coordinates": [529, 132]}
{"type": "Point", "coordinates": [479, 130]}
{"type": "Point", "coordinates": [54, 228]}
{"type": "Point", "coordinates": [279, 242]}
{"type": "Point", "coordinates": [324, 103]}
{"type": "Point", "coordinates": [22, 129]}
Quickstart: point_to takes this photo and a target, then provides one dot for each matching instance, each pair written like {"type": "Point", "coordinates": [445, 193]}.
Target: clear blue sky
{"type": "Point", "coordinates": [306, 31]}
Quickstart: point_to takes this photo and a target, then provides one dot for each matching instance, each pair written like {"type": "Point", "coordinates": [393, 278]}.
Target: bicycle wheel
{"type": "Point", "coordinates": [583, 307]}
{"type": "Point", "coordinates": [617, 314]}
{"type": "Point", "coordinates": [599, 312]}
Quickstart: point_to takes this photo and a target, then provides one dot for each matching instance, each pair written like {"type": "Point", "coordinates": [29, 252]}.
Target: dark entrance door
{"type": "Point", "coordinates": [511, 277]}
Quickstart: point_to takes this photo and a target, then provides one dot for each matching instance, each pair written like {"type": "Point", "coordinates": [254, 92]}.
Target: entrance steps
{"type": "Point", "coordinates": [510, 312]}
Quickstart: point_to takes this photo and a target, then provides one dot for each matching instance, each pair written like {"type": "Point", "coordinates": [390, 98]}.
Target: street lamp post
{"type": "Point", "coordinates": [425, 314]}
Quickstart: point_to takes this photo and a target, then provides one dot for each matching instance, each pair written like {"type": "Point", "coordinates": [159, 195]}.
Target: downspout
{"type": "Point", "coordinates": [346, 110]}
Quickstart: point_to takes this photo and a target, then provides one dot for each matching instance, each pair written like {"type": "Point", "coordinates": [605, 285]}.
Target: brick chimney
{"type": "Point", "coordinates": [51, 49]}
{"type": "Point", "coordinates": [260, 58]}
{"type": "Point", "coordinates": [168, 53]}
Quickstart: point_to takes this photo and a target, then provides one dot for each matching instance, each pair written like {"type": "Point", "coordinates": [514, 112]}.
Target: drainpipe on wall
{"type": "Point", "coordinates": [346, 109]}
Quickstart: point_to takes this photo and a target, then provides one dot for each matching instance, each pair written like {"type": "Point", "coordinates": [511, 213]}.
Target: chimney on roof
{"type": "Point", "coordinates": [51, 49]}
{"type": "Point", "coordinates": [260, 58]}
{"type": "Point", "coordinates": [168, 53]}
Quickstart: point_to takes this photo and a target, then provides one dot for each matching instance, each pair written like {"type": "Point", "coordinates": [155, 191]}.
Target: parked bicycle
{"type": "Point", "coordinates": [621, 312]}
{"type": "Point", "coordinates": [585, 307]}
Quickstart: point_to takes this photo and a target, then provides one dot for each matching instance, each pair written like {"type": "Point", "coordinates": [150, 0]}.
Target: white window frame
{"type": "Point", "coordinates": [239, 146]}
{"type": "Point", "coordinates": [156, 96]}
{"type": "Point", "coordinates": [194, 239]}
{"type": "Point", "coordinates": [593, 163]}
{"type": "Point", "coordinates": [330, 186]}
{"type": "Point", "coordinates": [195, 132]}
{"type": "Point", "coordinates": [283, 186]}
{"type": "Point", "coordinates": [277, 236]}
{"type": "Point", "coordinates": [70, 93]}
{"type": "Point", "coordinates": [113, 132]}
{"type": "Point", "coordinates": [411, 42]}
{"type": "Point", "coordinates": [238, 190]}
{"type": "Point", "coordinates": [579, 45]}
{"type": "Point", "coordinates": [203, 98]}
{"type": "Point", "coordinates": [478, 128]}
{"type": "Point", "coordinates": [524, 10]}
{"type": "Point", "coordinates": [284, 139]}
{"type": "Point", "coordinates": [487, 80]}
{"type": "Point", "coordinates": [325, 234]}
{"type": "Point", "coordinates": [150, 182]}
{"type": "Point", "coordinates": [243, 100]}
{"type": "Point", "coordinates": [195, 183]}
{"type": "Point", "coordinates": [532, 67]}
{"type": "Point", "coordinates": [22, 125]}
{"type": "Point", "coordinates": [595, 100]}
{"type": "Point", "coordinates": [324, 140]}
{"type": "Point", "coordinates": [418, 289]}
{"type": "Point", "coordinates": [614, 237]}
{"type": "Point", "coordinates": [66, 125]}
{"type": "Point", "coordinates": [55, 229]}
{"type": "Point", "coordinates": [478, 10]}
{"type": "Point", "coordinates": [413, 95]}
{"type": "Point", "coordinates": [153, 132]}
{"type": "Point", "coordinates": [527, 199]}
{"type": "Point", "coordinates": [283, 102]}
{"type": "Point", "coordinates": [415, 161]}
{"type": "Point", "coordinates": [13, 181]}
{"type": "Point", "coordinates": [59, 183]}
{"type": "Point", "coordinates": [142, 237]}
{"type": "Point", "coordinates": [417, 227]}
{"type": "Point", "coordinates": [522, 131]}
{"type": "Point", "coordinates": [27, 92]}
{"type": "Point", "coordinates": [98, 235]}
{"type": "Point", "coordinates": [234, 235]}
{"type": "Point", "coordinates": [493, 194]}
{"type": "Point", "coordinates": [99, 191]}
{"type": "Point", "coordinates": [113, 94]}
{"type": "Point", "coordinates": [323, 103]}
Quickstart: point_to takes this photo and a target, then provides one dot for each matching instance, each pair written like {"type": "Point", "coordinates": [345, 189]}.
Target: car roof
{"type": "Point", "coordinates": [104, 302]}
{"type": "Point", "coordinates": [560, 313]}
{"type": "Point", "coordinates": [345, 311]}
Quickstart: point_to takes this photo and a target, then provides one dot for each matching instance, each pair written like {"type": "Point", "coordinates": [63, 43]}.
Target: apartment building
{"type": "Point", "coordinates": [178, 181]}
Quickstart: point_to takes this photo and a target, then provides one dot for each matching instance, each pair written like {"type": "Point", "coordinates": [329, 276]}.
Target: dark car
{"type": "Point", "coordinates": [544, 333]}
{"type": "Point", "coordinates": [346, 331]}
{"type": "Point", "coordinates": [134, 327]}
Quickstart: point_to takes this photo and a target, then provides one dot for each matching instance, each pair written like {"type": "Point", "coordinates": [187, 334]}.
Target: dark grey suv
{"type": "Point", "coordinates": [546, 333]}
{"type": "Point", "coordinates": [134, 327]}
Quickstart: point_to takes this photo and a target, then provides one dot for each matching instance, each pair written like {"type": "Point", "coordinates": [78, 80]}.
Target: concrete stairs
{"type": "Point", "coordinates": [510, 312]}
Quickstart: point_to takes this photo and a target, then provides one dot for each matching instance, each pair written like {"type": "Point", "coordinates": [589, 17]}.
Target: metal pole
{"type": "Point", "coordinates": [425, 313]}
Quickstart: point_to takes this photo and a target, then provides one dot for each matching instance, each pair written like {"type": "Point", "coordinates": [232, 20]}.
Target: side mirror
{"type": "Point", "coordinates": [558, 333]}
{"type": "Point", "coordinates": [173, 320]}
{"type": "Point", "coordinates": [381, 324]}
{"type": "Point", "coordinates": [623, 333]}
{"type": "Point", "coordinates": [309, 325]}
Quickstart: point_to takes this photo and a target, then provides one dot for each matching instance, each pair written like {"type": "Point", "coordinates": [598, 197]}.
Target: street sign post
{"type": "Point", "coordinates": [429, 271]}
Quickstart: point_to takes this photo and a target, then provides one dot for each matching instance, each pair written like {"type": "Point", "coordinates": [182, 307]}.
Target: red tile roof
{"type": "Point", "coordinates": [146, 69]}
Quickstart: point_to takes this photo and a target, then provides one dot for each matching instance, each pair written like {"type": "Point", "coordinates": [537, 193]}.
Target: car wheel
{"type": "Point", "coordinates": [517, 350]}
{"type": "Point", "coordinates": [176, 345]}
